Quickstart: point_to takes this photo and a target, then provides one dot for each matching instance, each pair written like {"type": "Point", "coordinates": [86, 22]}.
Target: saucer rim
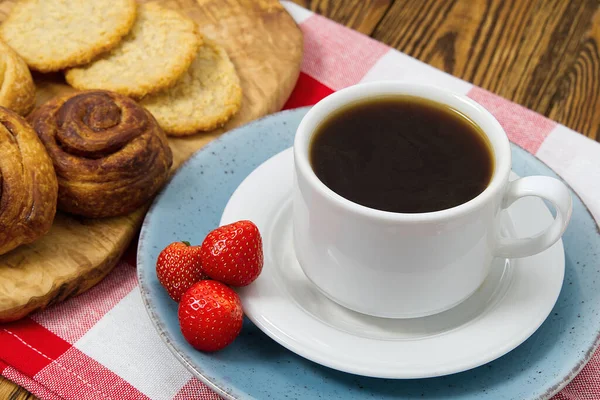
{"type": "Point", "coordinates": [277, 333]}
{"type": "Point", "coordinates": [181, 355]}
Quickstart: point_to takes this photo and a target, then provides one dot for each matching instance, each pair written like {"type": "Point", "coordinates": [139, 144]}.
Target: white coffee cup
{"type": "Point", "coordinates": [399, 265]}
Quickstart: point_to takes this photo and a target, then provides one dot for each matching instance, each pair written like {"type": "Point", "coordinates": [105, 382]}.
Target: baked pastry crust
{"type": "Point", "coordinates": [51, 35]}
{"type": "Point", "coordinates": [28, 186]}
{"type": "Point", "coordinates": [17, 91]}
{"type": "Point", "coordinates": [158, 50]}
{"type": "Point", "coordinates": [109, 153]}
{"type": "Point", "coordinates": [204, 98]}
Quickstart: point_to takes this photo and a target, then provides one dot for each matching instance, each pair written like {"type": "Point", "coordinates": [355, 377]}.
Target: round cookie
{"type": "Point", "coordinates": [159, 49]}
{"type": "Point", "coordinates": [17, 91]}
{"type": "Point", "coordinates": [55, 34]}
{"type": "Point", "coordinates": [205, 97]}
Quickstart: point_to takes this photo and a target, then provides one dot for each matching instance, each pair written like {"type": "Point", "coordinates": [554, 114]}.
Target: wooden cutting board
{"type": "Point", "coordinates": [264, 43]}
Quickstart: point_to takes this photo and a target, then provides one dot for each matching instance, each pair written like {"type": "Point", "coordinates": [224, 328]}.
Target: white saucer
{"type": "Point", "coordinates": [509, 306]}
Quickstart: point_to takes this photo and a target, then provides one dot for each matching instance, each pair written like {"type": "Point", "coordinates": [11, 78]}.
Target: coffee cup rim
{"type": "Point", "coordinates": [473, 110]}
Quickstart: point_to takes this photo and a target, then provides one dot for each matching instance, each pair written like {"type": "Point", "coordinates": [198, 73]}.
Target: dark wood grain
{"type": "Point", "coordinates": [543, 54]}
{"type": "Point", "coordinates": [9, 390]}
{"type": "Point", "coordinates": [576, 103]}
{"type": "Point", "coordinates": [361, 15]}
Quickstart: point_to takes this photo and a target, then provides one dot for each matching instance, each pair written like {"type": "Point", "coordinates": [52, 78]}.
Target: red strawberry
{"type": "Point", "coordinates": [210, 315]}
{"type": "Point", "coordinates": [233, 253]}
{"type": "Point", "coordinates": [178, 267]}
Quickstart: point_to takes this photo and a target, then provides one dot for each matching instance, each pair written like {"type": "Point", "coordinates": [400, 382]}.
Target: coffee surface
{"type": "Point", "coordinates": [402, 154]}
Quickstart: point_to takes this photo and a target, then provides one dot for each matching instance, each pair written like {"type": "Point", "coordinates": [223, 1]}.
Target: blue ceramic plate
{"type": "Point", "coordinates": [255, 366]}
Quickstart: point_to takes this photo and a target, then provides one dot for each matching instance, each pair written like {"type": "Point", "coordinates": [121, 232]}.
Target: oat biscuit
{"type": "Point", "coordinates": [17, 91]}
{"type": "Point", "coordinates": [205, 97]}
{"type": "Point", "coordinates": [51, 35]}
{"type": "Point", "coordinates": [158, 50]}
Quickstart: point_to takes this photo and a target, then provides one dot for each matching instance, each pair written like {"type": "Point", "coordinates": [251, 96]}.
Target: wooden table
{"type": "Point", "coordinates": [542, 54]}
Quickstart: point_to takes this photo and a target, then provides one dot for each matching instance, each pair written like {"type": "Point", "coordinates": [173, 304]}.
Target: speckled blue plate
{"type": "Point", "coordinates": [255, 366]}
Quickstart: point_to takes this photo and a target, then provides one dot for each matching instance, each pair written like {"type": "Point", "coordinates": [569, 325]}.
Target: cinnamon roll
{"type": "Point", "coordinates": [109, 153]}
{"type": "Point", "coordinates": [28, 187]}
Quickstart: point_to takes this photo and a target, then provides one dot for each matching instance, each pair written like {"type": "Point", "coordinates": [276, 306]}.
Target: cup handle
{"type": "Point", "coordinates": [549, 189]}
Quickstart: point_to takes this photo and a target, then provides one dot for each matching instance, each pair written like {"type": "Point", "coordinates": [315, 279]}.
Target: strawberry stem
{"type": "Point", "coordinates": [185, 242]}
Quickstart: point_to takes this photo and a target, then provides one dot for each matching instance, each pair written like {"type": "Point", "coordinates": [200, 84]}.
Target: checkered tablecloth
{"type": "Point", "coordinates": [102, 345]}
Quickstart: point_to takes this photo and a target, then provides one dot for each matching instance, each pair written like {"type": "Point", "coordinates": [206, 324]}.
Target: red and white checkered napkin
{"type": "Point", "coordinates": [102, 343]}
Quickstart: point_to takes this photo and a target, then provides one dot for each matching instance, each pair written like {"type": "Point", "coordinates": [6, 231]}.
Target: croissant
{"type": "Point", "coordinates": [17, 91]}
{"type": "Point", "coordinates": [109, 153]}
{"type": "Point", "coordinates": [28, 187]}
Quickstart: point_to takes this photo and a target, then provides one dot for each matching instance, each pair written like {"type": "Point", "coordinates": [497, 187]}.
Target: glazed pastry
{"type": "Point", "coordinates": [28, 187]}
{"type": "Point", "coordinates": [17, 91]}
{"type": "Point", "coordinates": [109, 153]}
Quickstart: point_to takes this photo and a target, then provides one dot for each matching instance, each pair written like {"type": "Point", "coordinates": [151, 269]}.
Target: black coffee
{"type": "Point", "coordinates": [402, 154]}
